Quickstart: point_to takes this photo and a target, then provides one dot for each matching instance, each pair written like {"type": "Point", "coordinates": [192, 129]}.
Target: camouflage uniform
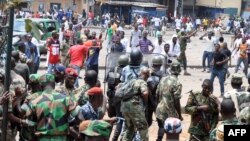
{"type": "Point", "coordinates": [133, 112]}
{"type": "Point", "coordinates": [233, 121]}
{"type": "Point", "coordinates": [169, 91]}
{"type": "Point", "coordinates": [245, 115]}
{"type": "Point", "coordinates": [183, 45]}
{"type": "Point", "coordinates": [240, 97]}
{"type": "Point", "coordinates": [64, 51]}
{"type": "Point", "coordinates": [72, 93]}
{"type": "Point", "coordinates": [81, 96]}
{"type": "Point", "coordinates": [52, 111]}
{"type": "Point", "coordinates": [197, 127]}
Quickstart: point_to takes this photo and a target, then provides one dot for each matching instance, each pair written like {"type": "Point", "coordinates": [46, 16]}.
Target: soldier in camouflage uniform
{"type": "Point", "coordinates": [239, 96]}
{"type": "Point", "coordinates": [90, 82]}
{"type": "Point", "coordinates": [245, 116]}
{"type": "Point", "coordinates": [69, 88]}
{"type": "Point", "coordinates": [113, 78]}
{"type": "Point", "coordinates": [169, 94]}
{"type": "Point", "coordinates": [207, 103]}
{"type": "Point", "coordinates": [155, 76]}
{"type": "Point", "coordinates": [183, 38]}
{"type": "Point", "coordinates": [64, 108]}
{"type": "Point", "coordinates": [228, 115]}
{"type": "Point", "coordinates": [133, 109]}
{"type": "Point", "coordinates": [132, 70]}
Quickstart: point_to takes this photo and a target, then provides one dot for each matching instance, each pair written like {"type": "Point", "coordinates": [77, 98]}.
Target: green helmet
{"type": "Point", "coordinates": [157, 60]}
{"type": "Point", "coordinates": [175, 68]}
{"type": "Point", "coordinates": [123, 60]}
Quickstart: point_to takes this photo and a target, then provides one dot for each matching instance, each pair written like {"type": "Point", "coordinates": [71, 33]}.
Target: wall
{"type": "Point", "coordinates": [221, 4]}
{"type": "Point", "coordinates": [65, 4]}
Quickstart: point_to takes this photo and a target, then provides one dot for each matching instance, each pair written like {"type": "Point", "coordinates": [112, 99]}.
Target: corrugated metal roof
{"type": "Point", "coordinates": [141, 4]}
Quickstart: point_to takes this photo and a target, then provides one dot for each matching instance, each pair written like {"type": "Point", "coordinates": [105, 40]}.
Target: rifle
{"type": "Point", "coordinates": [203, 115]}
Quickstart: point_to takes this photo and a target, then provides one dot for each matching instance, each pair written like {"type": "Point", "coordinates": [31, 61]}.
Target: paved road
{"type": "Point", "coordinates": [194, 57]}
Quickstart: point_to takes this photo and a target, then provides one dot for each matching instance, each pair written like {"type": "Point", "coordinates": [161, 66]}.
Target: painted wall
{"type": "Point", "coordinates": [221, 4]}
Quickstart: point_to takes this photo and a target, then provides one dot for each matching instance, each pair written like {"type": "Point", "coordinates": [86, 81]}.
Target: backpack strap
{"type": "Point", "coordinates": [137, 76]}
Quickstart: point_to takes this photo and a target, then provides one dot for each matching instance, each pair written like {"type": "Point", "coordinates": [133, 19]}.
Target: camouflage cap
{"type": "Point", "coordinates": [34, 78]}
{"type": "Point", "coordinates": [47, 78]}
{"type": "Point", "coordinates": [96, 128]}
{"type": "Point", "coordinates": [237, 78]}
{"type": "Point", "coordinates": [245, 115]}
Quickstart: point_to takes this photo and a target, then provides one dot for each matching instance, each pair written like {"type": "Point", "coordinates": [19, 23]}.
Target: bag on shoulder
{"type": "Point", "coordinates": [125, 91]}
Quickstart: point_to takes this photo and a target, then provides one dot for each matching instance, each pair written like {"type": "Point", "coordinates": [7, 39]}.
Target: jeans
{"type": "Point", "coordinates": [51, 67]}
{"type": "Point", "coordinates": [78, 69]}
{"type": "Point", "coordinates": [245, 62]}
{"type": "Point", "coordinates": [220, 75]}
{"type": "Point", "coordinates": [207, 56]}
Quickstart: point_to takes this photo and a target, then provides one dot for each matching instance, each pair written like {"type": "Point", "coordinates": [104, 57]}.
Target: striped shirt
{"type": "Point", "coordinates": [144, 45]}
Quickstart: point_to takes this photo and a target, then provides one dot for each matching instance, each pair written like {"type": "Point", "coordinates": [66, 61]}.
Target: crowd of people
{"type": "Point", "coordinates": [55, 106]}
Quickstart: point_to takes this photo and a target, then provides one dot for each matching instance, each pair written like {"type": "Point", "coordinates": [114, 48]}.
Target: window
{"type": "Point", "coordinates": [51, 26]}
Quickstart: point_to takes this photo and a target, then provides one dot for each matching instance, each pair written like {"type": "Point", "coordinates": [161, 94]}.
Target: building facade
{"type": "Point", "coordinates": [46, 5]}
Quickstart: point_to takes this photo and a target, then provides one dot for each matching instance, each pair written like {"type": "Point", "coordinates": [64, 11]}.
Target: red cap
{"type": "Point", "coordinates": [95, 91]}
{"type": "Point", "coordinates": [71, 72]}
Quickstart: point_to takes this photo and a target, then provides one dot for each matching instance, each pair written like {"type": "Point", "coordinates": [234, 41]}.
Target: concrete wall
{"type": "Point", "coordinates": [65, 4]}
{"type": "Point", "coordinates": [220, 4]}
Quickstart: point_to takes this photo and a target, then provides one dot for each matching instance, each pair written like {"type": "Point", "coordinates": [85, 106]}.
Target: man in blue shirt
{"type": "Point", "coordinates": [93, 56]}
{"type": "Point", "coordinates": [31, 52]}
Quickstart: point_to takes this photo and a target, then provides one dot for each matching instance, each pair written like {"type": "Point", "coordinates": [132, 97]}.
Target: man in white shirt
{"type": "Point", "coordinates": [217, 31]}
{"type": "Point", "coordinates": [208, 52]}
{"type": "Point", "coordinates": [198, 23]}
{"type": "Point", "coordinates": [178, 24]}
{"type": "Point", "coordinates": [189, 26]}
{"type": "Point", "coordinates": [125, 42]}
{"type": "Point", "coordinates": [157, 23]}
{"type": "Point", "coordinates": [174, 49]}
{"type": "Point", "coordinates": [159, 45]}
{"type": "Point", "coordinates": [135, 37]}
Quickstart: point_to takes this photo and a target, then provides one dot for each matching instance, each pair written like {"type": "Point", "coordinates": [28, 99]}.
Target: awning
{"type": "Point", "coordinates": [129, 3]}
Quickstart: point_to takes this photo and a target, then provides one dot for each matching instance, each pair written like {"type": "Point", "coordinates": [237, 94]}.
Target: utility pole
{"type": "Point", "coordinates": [7, 72]}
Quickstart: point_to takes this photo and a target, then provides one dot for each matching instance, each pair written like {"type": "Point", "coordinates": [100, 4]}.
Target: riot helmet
{"type": "Point", "coordinates": [135, 57]}
{"type": "Point", "coordinates": [123, 60]}
{"type": "Point", "coordinates": [157, 60]}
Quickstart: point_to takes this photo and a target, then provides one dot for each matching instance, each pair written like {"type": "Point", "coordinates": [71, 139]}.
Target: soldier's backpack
{"type": "Point", "coordinates": [125, 91]}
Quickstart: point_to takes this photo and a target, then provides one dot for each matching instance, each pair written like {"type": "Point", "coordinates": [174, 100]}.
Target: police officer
{"type": "Point", "coordinates": [153, 81]}
{"type": "Point", "coordinates": [113, 79]}
{"type": "Point", "coordinates": [169, 94]}
{"type": "Point", "coordinates": [239, 96]}
{"type": "Point", "coordinates": [132, 70]}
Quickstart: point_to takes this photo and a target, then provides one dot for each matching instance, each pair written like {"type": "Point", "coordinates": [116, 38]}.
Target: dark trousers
{"type": "Point", "coordinates": [220, 75]}
{"type": "Point", "coordinates": [118, 128]}
{"type": "Point", "coordinates": [93, 67]}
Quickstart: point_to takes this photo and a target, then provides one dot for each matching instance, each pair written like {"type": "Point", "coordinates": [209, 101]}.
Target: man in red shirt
{"type": "Point", "coordinates": [77, 56]}
{"type": "Point", "coordinates": [53, 46]}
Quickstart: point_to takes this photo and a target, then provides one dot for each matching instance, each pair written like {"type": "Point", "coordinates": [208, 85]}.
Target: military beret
{"type": "Point", "coordinates": [237, 78]}
{"type": "Point", "coordinates": [34, 77]}
{"type": "Point", "coordinates": [95, 128]}
{"type": "Point", "coordinates": [47, 78]}
{"type": "Point", "coordinates": [95, 91]}
{"type": "Point", "coordinates": [60, 69]}
{"type": "Point", "coordinates": [71, 72]}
